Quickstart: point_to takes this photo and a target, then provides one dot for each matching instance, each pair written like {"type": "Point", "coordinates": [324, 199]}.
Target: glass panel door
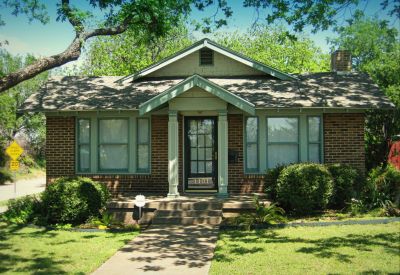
{"type": "Point", "coordinates": [200, 153]}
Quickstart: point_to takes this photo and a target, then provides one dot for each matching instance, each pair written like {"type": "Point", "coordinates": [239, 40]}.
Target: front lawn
{"type": "Point", "coordinates": [38, 251]}
{"type": "Point", "coordinates": [348, 249]}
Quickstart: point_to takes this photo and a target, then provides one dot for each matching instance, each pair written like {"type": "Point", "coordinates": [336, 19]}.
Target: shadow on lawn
{"type": "Point", "coordinates": [34, 261]}
{"type": "Point", "coordinates": [322, 247]}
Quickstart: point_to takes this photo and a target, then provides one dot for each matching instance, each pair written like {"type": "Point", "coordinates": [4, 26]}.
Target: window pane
{"type": "Point", "coordinates": [201, 154]}
{"type": "Point", "coordinates": [193, 127]}
{"type": "Point", "coordinates": [251, 156]}
{"type": "Point", "coordinates": [209, 154]}
{"type": "Point", "coordinates": [113, 130]}
{"type": "Point", "coordinates": [208, 167]}
{"type": "Point", "coordinates": [251, 129]}
{"type": "Point", "coordinates": [193, 167]}
{"type": "Point", "coordinates": [282, 154]}
{"type": "Point", "coordinates": [313, 153]}
{"type": "Point", "coordinates": [193, 141]}
{"type": "Point", "coordinates": [143, 130]}
{"type": "Point", "coordinates": [201, 167]}
{"type": "Point", "coordinates": [200, 140]}
{"type": "Point", "coordinates": [84, 158]}
{"type": "Point", "coordinates": [143, 157]}
{"type": "Point", "coordinates": [84, 130]}
{"type": "Point", "coordinates": [209, 139]}
{"type": "Point", "coordinates": [193, 153]}
{"type": "Point", "coordinates": [283, 129]}
{"type": "Point", "coordinates": [113, 157]}
{"type": "Point", "coordinates": [314, 129]}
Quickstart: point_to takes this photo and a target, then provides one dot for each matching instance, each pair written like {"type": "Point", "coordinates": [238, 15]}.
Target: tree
{"type": "Point", "coordinates": [272, 46]}
{"type": "Point", "coordinates": [31, 126]}
{"type": "Point", "coordinates": [125, 53]}
{"type": "Point", "coordinates": [375, 48]}
{"type": "Point", "coordinates": [156, 17]}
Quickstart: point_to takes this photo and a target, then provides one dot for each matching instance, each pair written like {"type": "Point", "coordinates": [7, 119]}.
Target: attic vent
{"type": "Point", "coordinates": [206, 57]}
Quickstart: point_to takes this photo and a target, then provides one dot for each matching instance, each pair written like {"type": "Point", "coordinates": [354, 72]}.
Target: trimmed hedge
{"type": "Point", "coordinates": [304, 187]}
{"type": "Point", "coordinates": [345, 182]}
{"type": "Point", "coordinates": [73, 200]}
{"type": "Point", "coordinates": [271, 177]}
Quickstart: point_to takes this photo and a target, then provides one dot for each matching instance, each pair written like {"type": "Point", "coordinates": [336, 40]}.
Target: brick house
{"type": "Point", "coordinates": [206, 119]}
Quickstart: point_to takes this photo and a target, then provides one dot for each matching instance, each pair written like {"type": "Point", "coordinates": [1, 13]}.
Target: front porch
{"type": "Point", "coordinates": [187, 210]}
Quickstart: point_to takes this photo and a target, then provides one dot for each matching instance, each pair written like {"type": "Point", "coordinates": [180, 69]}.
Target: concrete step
{"type": "Point", "coordinates": [187, 220]}
{"type": "Point", "coordinates": [188, 213]}
{"type": "Point", "coordinates": [187, 206]}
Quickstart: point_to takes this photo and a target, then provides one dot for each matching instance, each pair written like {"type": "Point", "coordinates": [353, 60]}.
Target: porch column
{"type": "Point", "coordinates": [222, 154]}
{"type": "Point", "coordinates": [173, 174]}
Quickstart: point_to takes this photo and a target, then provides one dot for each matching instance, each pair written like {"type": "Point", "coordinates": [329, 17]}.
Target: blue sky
{"type": "Point", "coordinates": [54, 37]}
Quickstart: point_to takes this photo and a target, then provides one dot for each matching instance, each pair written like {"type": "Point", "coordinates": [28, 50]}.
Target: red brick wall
{"type": "Point", "coordinates": [344, 139]}
{"type": "Point", "coordinates": [60, 147]}
{"type": "Point", "coordinates": [238, 182]}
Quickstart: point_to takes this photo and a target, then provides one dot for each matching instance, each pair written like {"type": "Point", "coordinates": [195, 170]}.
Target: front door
{"type": "Point", "coordinates": [201, 153]}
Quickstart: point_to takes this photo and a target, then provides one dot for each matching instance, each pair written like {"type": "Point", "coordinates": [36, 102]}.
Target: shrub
{"type": "Point", "coordinates": [383, 184]}
{"type": "Point", "coordinates": [345, 181]}
{"type": "Point", "coordinates": [21, 210]}
{"type": "Point", "coordinates": [5, 176]}
{"type": "Point", "coordinates": [73, 200]}
{"type": "Point", "coordinates": [271, 178]}
{"type": "Point", "coordinates": [304, 187]}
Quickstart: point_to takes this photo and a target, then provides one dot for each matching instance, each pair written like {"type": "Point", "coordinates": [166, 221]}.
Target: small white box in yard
{"type": "Point", "coordinates": [140, 201]}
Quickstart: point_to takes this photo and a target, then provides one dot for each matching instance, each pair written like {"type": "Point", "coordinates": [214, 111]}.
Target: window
{"type": "Point", "coordinates": [282, 140]}
{"type": "Point", "coordinates": [113, 144]}
{"type": "Point", "coordinates": [206, 57]}
{"type": "Point", "coordinates": [83, 145]}
{"type": "Point", "coordinates": [143, 145]}
{"type": "Point", "coordinates": [251, 144]}
{"type": "Point", "coordinates": [314, 139]}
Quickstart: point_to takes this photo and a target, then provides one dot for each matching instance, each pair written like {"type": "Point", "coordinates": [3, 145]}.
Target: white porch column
{"type": "Point", "coordinates": [222, 154]}
{"type": "Point", "coordinates": [173, 174]}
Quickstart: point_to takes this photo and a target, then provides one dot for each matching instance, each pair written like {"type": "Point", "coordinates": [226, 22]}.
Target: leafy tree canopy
{"type": "Point", "coordinates": [156, 17]}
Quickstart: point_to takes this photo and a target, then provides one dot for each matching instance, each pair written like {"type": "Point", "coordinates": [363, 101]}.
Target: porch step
{"type": "Point", "coordinates": [188, 213]}
{"type": "Point", "coordinates": [187, 220]}
{"type": "Point", "coordinates": [188, 206]}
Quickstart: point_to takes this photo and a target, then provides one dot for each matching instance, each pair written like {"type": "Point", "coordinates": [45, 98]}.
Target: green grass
{"type": "Point", "coordinates": [38, 251]}
{"type": "Point", "coordinates": [349, 249]}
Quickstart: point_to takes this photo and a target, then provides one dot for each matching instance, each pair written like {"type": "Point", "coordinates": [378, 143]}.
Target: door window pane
{"type": "Point", "coordinates": [193, 167]}
{"type": "Point", "coordinates": [282, 154]}
{"type": "Point", "coordinates": [283, 129]}
{"type": "Point", "coordinates": [193, 153]}
{"type": "Point", "coordinates": [200, 167]}
{"type": "Point", "coordinates": [209, 154]}
{"type": "Point", "coordinates": [208, 167]}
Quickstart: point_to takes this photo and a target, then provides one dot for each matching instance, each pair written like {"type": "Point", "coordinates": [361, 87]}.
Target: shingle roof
{"type": "Point", "coordinates": [324, 90]}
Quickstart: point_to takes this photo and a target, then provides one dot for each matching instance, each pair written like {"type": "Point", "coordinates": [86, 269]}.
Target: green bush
{"type": "Point", "coordinates": [271, 179]}
{"type": "Point", "coordinates": [383, 184]}
{"type": "Point", "coordinates": [22, 210]}
{"type": "Point", "coordinates": [73, 200]}
{"type": "Point", "coordinates": [5, 176]}
{"type": "Point", "coordinates": [304, 187]}
{"type": "Point", "coordinates": [345, 182]}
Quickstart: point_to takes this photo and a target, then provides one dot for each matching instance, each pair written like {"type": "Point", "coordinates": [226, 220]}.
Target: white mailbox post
{"type": "Point", "coordinates": [140, 201]}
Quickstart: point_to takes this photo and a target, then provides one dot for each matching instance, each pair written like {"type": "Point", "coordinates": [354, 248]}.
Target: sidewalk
{"type": "Point", "coordinates": [165, 249]}
{"type": "Point", "coordinates": [24, 187]}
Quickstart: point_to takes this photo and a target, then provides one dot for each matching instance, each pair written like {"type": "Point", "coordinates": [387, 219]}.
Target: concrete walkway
{"type": "Point", "coordinates": [24, 187]}
{"type": "Point", "coordinates": [165, 249]}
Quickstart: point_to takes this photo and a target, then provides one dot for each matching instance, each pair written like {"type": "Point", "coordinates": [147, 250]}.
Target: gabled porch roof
{"type": "Point", "coordinates": [196, 81]}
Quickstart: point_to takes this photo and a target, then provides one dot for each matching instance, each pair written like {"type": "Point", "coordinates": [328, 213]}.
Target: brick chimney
{"type": "Point", "coordinates": [341, 61]}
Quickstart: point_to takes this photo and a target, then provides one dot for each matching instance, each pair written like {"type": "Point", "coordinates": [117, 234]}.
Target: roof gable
{"type": "Point", "coordinates": [196, 81]}
{"type": "Point", "coordinates": [206, 43]}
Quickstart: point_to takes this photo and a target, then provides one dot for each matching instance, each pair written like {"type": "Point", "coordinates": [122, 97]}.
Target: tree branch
{"type": "Point", "coordinates": [72, 53]}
